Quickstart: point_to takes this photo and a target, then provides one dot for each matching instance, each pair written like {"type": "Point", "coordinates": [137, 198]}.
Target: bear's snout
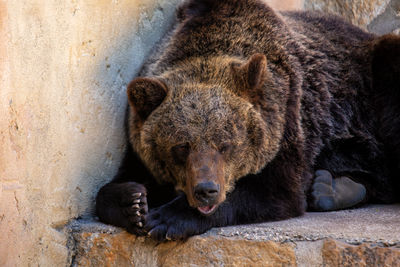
{"type": "Point", "coordinates": [206, 193]}
{"type": "Point", "coordinates": [205, 181]}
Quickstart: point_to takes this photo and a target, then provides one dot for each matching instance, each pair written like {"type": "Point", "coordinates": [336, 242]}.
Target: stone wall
{"type": "Point", "coordinates": [286, 4]}
{"type": "Point", "coordinates": [377, 16]}
{"type": "Point", "coordinates": [64, 66]}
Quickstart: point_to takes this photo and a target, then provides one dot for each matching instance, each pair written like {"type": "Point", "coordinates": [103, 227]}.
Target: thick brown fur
{"type": "Point", "coordinates": [251, 102]}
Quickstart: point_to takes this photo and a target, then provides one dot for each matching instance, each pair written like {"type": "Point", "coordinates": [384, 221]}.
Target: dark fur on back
{"type": "Point", "coordinates": [298, 91]}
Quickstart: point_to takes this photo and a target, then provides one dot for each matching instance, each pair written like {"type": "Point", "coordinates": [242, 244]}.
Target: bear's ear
{"type": "Point", "coordinates": [195, 8]}
{"type": "Point", "coordinates": [250, 75]}
{"type": "Point", "coordinates": [145, 95]}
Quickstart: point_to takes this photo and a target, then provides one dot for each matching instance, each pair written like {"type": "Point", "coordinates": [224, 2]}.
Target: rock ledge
{"type": "Point", "coordinates": [368, 236]}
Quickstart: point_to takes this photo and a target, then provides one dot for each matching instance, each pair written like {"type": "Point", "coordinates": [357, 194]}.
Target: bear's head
{"type": "Point", "coordinates": [204, 124]}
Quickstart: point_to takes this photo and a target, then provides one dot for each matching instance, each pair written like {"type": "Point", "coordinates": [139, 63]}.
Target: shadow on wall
{"type": "Point", "coordinates": [126, 46]}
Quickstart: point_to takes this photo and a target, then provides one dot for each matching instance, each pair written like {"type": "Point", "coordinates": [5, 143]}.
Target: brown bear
{"type": "Point", "coordinates": [245, 115]}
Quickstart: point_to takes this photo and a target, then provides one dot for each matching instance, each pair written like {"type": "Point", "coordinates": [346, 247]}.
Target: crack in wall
{"type": "Point", "coordinates": [17, 203]}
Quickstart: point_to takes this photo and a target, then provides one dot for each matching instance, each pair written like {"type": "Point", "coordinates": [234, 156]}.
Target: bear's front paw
{"type": "Point", "coordinates": [335, 194]}
{"type": "Point", "coordinates": [136, 213]}
{"type": "Point", "coordinates": [123, 205]}
{"type": "Point", "coordinates": [133, 204]}
{"type": "Point", "coordinates": [172, 221]}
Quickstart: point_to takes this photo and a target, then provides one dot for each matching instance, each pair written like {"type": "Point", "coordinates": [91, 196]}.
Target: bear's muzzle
{"type": "Point", "coordinates": [205, 181]}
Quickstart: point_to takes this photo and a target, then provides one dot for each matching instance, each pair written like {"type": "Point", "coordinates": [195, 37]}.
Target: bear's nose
{"type": "Point", "coordinates": [206, 192]}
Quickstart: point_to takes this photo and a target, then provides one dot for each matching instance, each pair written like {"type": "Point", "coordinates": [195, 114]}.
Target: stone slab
{"type": "Point", "coordinates": [368, 236]}
{"type": "Point", "coordinates": [376, 223]}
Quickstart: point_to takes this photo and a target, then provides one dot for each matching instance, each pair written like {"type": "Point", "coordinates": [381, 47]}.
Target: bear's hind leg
{"type": "Point", "coordinates": [335, 193]}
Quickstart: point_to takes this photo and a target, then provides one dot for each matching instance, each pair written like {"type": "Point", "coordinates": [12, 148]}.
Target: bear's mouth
{"type": "Point", "coordinates": [207, 210]}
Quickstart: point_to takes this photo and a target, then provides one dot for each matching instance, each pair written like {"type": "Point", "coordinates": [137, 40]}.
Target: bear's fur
{"type": "Point", "coordinates": [237, 109]}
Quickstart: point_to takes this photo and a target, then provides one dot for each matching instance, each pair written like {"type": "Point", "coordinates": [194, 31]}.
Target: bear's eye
{"type": "Point", "coordinates": [180, 153]}
{"type": "Point", "coordinates": [225, 148]}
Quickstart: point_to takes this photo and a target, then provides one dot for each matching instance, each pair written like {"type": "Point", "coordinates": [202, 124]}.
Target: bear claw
{"type": "Point", "coordinates": [134, 208]}
{"type": "Point", "coordinates": [136, 195]}
{"type": "Point", "coordinates": [175, 221]}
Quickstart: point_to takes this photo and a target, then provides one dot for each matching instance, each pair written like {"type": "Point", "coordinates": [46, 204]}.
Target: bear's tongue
{"type": "Point", "coordinates": [206, 209]}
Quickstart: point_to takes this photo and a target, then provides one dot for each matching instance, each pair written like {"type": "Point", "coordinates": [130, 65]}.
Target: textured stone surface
{"type": "Point", "coordinates": [96, 244]}
{"type": "Point", "coordinates": [365, 236]}
{"type": "Point", "coordinates": [286, 4]}
{"type": "Point", "coordinates": [359, 12]}
{"type": "Point", "coordinates": [218, 251]}
{"type": "Point", "coordinates": [388, 21]}
{"type": "Point", "coordinates": [64, 66]}
{"type": "Point", "coordinates": [336, 253]}
{"type": "Point", "coordinates": [374, 223]}
{"type": "Point", "coordinates": [122, 249]}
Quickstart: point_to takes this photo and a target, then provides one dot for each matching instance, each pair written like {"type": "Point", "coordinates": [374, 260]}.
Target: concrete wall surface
{"type": "Point", "coordinates": [377, 16]}
{"type": "Point", "coordinates": [64, 66]}
{"type": "Point", "coordinates": [286, 4]}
